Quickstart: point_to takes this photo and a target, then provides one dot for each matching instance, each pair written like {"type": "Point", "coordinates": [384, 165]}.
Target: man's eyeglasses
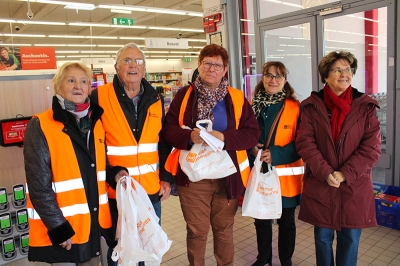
{"type": "Point", "coordinates": [128, 61]}
{"type": "Point", "coordinates": [278, 78]}
{"type": "Point", "coordinates": [347, 71]}
{"type": "Point", "coordinates": [217, 67]}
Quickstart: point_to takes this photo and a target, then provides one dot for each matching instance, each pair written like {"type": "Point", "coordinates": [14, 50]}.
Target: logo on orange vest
{"type": "Point", "coordinates": [288, 126]}
{"type": "Point", "coordinates": [153, 115]}
{"type": "Point", "coordinates": [101, 140]}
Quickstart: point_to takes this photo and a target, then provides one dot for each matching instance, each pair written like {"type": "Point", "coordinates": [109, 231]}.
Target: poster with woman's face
{"type": "Point", "coordinates": [9, 60]}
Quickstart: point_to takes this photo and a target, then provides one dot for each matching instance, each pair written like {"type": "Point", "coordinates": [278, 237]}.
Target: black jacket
{"type": "Point", "coordinates": [39, 179]}
{"type": "Point", "coordinates": [137, 120]}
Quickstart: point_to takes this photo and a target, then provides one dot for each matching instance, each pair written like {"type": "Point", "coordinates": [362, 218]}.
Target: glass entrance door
{"type": "Point", "coordinates": [365, 34]}
{"type": "Point", "coordinates": [364, 28]}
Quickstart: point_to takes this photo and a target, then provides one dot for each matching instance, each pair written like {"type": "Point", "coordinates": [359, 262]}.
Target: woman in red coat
{"type": "Point", "coordinates": [339, 140]}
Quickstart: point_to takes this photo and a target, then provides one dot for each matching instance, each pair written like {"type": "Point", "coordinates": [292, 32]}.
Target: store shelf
{"type": "Point", "coordinates": [164, 78]}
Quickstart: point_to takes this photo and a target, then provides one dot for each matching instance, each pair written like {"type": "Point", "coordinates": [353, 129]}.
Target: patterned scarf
{"type": "Point", "coordinates": [79, 110]}
{"type": "Point", "coordinates": [263, 99]}
{"type": "Point", "coordinates": [340, 106]}
{"type": "Point", "coordinates": [209, 98]}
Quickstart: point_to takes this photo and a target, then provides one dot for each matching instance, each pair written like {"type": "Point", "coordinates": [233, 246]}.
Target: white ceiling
{"type": "Point", "coordinates": [16, 10]}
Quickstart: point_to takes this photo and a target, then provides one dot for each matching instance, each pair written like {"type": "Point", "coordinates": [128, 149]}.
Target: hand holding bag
{"type": "Point", "coordinates": [140, 237]}
{"type": "Point", "coordinates": [203, 162]}
{"type": "Point", "coordinates": [262, 199]}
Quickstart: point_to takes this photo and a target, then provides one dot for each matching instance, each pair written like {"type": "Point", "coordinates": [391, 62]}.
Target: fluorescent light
{"type": "Point", "coordinates": [197, 40]}
{"type": "Point", "coordinates": [127, 26]}
{"type": "Point", "coordinates": [49, 44]}
{"type": "Point", "coordinates": [24, 35]}
{"type": "Point", "coordinates": [77, 6]}
{"type": "Point", "coordinates": [165, 11]}
{"type": "Point", "coordinates": [89, 24]}
{"type": "Point", "coordinates": [121, 11]}
{"type": "Point", "coordinates": [101, 37]}
{"type": "Point", "coordinates": [131, 38]}
{"type": "Point", "coordinates": [15, 44]}
{"type": "Point", "coordinates": [110, 45]}
{"type": "Point", "coordinates": [81, 45]}
{"type": "Point", "coordinates": [66, 36]}
{"type": "Point", "coordinates": [53, 23]}
{"type": "Point", "coordinates": [124, 7]}
{"type": "Point", "coordinates": [8, 20]}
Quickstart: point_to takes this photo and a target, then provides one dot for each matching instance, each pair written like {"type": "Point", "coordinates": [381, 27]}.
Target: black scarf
{"type": "Point", "coordinates": [263, 99]}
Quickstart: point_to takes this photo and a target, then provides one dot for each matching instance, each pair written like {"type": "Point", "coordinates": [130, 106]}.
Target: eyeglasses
{"type": "Point", "coordinates": [208, 65]}
{"type": "Point", "coordinates": [278, 78]}
{"type": "Point", "coordinates": [347, 71]}
{"type": "Point", "coordinates": [128, 61]}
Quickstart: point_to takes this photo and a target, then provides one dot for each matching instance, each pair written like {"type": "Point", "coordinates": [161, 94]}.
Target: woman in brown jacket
{"type": "Point", "coordinates": [339, 140]}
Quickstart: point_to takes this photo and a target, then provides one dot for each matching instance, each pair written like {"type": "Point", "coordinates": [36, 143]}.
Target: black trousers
{"type": "Point", "coordinates": [286, 237]}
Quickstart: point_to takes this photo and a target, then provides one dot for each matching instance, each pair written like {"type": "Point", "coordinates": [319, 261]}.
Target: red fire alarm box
{"type": "Point", "coordinates": [13, 131]}
{"type": "Point", "coordinates": [210, 22]}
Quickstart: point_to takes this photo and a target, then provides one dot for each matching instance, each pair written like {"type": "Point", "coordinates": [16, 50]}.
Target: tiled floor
{"type": "Point", "coordinates": [380, 246]}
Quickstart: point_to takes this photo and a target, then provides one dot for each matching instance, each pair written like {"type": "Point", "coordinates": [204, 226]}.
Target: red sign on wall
{"type": "Point", "coordinates": [38, 58]}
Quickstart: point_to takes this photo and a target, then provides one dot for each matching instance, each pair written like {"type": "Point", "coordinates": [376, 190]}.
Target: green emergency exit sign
{"type": "Point", "coordinates": [188, 59]}
{"type": "Point", "coordinates": [122, 21]}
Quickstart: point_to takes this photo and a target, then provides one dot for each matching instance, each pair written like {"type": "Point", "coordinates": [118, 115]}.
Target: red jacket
{"type": "Point", "coordinates": [358, 149]}
{"type": "Point", "coordinates": [244, 138]}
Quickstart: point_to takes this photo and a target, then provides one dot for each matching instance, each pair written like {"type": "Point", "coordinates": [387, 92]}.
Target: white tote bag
{"type": "Point", "coordinates": [140, 237]}
{"type": "Point", "coordinates": [202, 162]}
{"type": "Point", "coordinates": [206, 161]}
{"type": "Point", "coordinates": [262, 199]}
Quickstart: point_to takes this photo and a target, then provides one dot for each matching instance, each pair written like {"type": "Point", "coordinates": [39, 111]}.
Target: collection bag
{"type": "Point", "coordinates": [206, 161]}
{"type": "Point", "coordinates": [262, 199]}
{"type": "Point", "coordinates": [140, 237]}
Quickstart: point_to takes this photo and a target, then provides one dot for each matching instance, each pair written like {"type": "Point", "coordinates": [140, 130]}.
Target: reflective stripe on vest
{"type": "Point", "coordinates": [139, 156]}
{"type": "Point", "coordinates": [132, 150]}
{"type": "Point", "coordinates": [238, 101]}
{"type": "Point", "coordinates": [68, 185]}
{"type": "Point", "coordinates": [290, 175]}
{"type": "Point", "coordinates": [290, 171]}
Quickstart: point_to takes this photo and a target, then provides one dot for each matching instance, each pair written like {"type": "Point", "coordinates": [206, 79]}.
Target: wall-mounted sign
{"type": "Point", "coordinates": [38, 58]}
{"type": "Point", "coordinates": [168, 43]}
{"type": "Point", "coordinates": [97, 61]}
{"type": "Point", "coordinates": [188, 59]}
{"type": "Point", "coordinates": [122, 21]}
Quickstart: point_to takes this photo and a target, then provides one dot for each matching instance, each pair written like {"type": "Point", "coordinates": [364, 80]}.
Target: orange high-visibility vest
{"type": "Point", "coordinates": [140, 157]}
{"type": "Point", "coordinates": [171, 164]}
{"type": "Point", "coordinates": [290, 175]}
{"type": "Point", "coordinates": [68, 184]}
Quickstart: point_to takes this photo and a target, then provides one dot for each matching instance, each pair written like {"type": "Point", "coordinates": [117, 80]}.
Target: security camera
{"type": "Point", "coordinates": [179, 35]}
{"type": "Point", "coordinates": [30, 14]}
{"type": "Point", "coordinates": [17, 28]}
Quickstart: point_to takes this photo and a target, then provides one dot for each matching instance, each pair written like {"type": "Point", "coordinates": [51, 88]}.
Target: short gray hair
{"type": "Point", "coordinates": [127, 46]}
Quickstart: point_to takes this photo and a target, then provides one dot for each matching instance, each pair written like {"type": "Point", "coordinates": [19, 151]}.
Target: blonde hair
{"type": "Point", "coordinates": [59, 76]}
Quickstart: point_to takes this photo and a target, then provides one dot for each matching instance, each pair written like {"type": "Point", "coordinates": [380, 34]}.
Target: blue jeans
{"type": "Point", "coordinates": [110, 262]}
{"type": "Point", "coordinates": [347, 241]}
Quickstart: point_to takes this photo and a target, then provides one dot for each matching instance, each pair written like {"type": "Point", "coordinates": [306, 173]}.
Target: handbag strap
{"type": "Point", "coordinates": [274, 126]}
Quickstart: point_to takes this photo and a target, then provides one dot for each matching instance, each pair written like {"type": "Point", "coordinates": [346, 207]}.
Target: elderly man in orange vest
{"type": "Point", "coordinates": [133, 117]}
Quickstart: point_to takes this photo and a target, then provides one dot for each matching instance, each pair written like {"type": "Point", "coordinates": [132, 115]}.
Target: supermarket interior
{"type": "Point", "coordinates": [40, 36]}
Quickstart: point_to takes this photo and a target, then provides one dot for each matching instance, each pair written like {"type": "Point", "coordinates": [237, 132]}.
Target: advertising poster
{"type": "Point", "coordinates": [38, 58]}
{"type": "Point", "coordinates": [9, 58]}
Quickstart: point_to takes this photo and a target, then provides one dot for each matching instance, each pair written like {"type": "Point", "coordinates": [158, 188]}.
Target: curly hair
{"type": "Point", "coordinates": [214, 50]}
{"type": "Point", "coordinates": [59, 76]}
{"type": "Point", "coordinates": [281, 69]}
{"type": "Point", "coordinates": [326, 63]}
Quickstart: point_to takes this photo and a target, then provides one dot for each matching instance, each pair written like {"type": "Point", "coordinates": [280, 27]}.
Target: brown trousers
{"type": "Point", "coordinates": [204, 203]}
